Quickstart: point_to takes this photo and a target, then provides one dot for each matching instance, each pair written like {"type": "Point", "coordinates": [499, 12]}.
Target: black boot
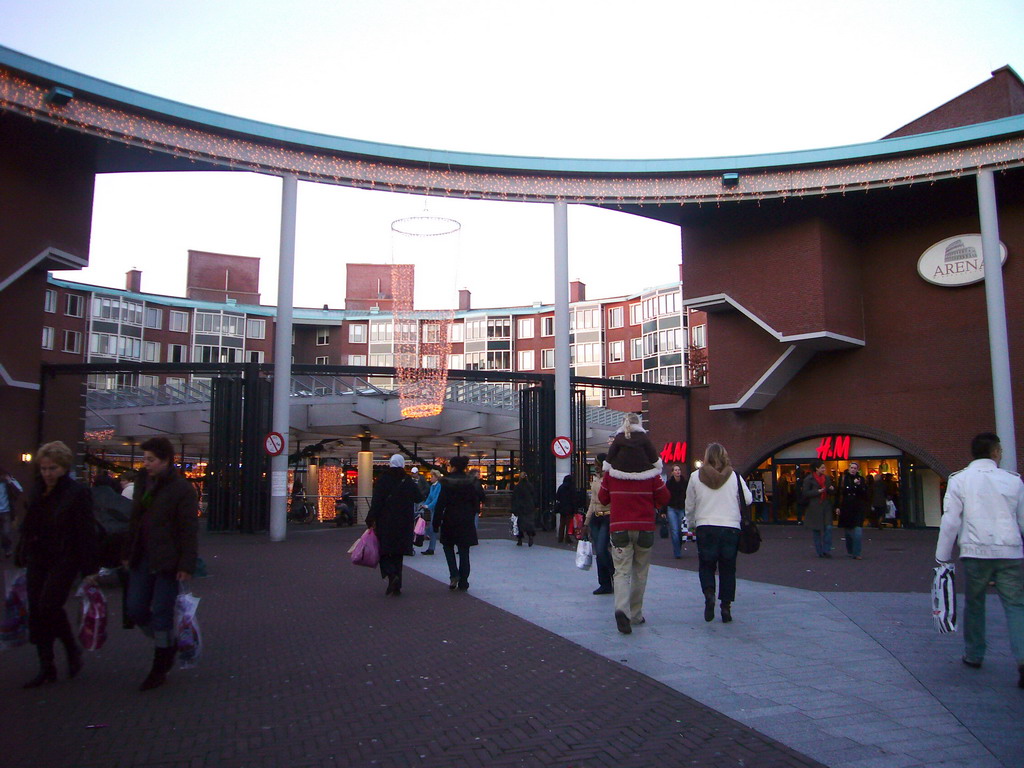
{"type": "Point", "coordinates": [163, 660]}
{"type": "Point", "coordinates": [47, 669]}
{"type": "Point", "coordinates": [726, 612]}
{"type": "Point", "coordinates": [709, 605]}
{"type": "Point", "coordinates": [73, 651]}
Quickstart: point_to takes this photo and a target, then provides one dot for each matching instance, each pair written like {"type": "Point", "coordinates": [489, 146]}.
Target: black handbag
{"type": "Point", "coordinates": [750, 536]}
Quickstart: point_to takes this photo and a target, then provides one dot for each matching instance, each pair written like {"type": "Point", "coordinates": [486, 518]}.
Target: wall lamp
{"type": "Point", "coordinates": [730, 179]}
{"type": "Point", "coordinates": [59, 96]}
{"type": "Point", "coordinates": [26, 458]}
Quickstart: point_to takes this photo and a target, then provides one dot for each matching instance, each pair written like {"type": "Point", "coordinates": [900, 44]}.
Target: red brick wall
{"type": "Point", "coordinates": [221, 276]}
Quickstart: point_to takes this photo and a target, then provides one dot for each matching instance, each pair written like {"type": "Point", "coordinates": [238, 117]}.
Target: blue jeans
{"type": "Point", "coordinates": [460, 571]}
{"type": "Point", "coordinates": [716, 549]}
{"type": "Point", "coordinates": [151, 598]}
{"type": "Point", "coordinates": [431, 535]}
{"type": "Point", "coordinates": [675, 529]}
{"type": "Point", "coordinates": [823, 540]}
{"type": "Point", "coordinates": [600, 540]}
{"type": "Point", "coordinates": [1010, 587]}
{"type": "Point", "coordinates": [854, 537]}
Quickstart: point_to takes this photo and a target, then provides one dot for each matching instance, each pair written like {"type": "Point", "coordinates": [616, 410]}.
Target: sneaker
{"type": "Point", "coordinates": [604, 591]}
{"type": "Point", "coordinates": [622, 622]}
{"type": "Point", "coordinates": [976, 664]}
{"type": "Point", "coordinates": [638, 622]}
{"type": "Point", "coordinates": [827, 554]}
{"type": "Point", "coordinates": [427, 552]}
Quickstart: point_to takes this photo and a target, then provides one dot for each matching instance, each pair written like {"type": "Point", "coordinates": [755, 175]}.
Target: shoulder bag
{"type": "Point", "coordinates": [750, 536]}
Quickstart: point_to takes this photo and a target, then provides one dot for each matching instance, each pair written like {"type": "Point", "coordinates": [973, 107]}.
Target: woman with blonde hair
{"type": "Point", "coordinates": [713, 511]}
{"type": "Point", "coordinates": [58, 542]}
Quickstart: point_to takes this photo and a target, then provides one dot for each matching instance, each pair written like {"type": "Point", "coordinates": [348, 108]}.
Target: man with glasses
{"type": "Point", "coordinates": [853, 502]}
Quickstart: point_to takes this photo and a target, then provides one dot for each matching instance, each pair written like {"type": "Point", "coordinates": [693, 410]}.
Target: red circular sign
{"type": "Point", "coordinates": [273, 444]}
{"type": "Point", "coordinates": [562, 447]}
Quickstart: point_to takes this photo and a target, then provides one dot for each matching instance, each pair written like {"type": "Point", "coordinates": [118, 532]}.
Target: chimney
{"type": "Point", "coordinates": [463, 299]}
{"type": "Point", "coordinates": [133, 281]}
{"type": "Point", "coordinates": [577, 291]}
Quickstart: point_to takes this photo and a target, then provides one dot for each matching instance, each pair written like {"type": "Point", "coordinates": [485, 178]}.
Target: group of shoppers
{"type": "Point", "coordinates": [59, 541]}
{"type": "Point", "coordinates": [817, 491]}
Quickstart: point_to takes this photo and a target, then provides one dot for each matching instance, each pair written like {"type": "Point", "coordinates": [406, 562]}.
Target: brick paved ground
{"type": "Point", "coordinates": [307, 663]}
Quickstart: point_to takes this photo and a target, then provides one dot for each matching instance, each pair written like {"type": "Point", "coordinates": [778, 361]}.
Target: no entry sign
{"type": "Point", "coordinates": [273, 444]}
{"type": "Point", "coordinates": [562, 447]}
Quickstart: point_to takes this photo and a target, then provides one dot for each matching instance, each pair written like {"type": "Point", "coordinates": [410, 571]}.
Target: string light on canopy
{"type": "Point", "coordinates": [422, 340]}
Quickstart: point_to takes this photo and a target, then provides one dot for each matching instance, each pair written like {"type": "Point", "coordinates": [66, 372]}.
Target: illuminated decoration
{"type": "Point", "coordinates": [612, 182]}
{"type": "Point", "coordinates": [99, 435]}
{"type": "Point", "coordinates": [421, 337]}
{"type": "Point", "coordinates": [330, 482]}
{"type": "Point", "coordinates": [837, 447]}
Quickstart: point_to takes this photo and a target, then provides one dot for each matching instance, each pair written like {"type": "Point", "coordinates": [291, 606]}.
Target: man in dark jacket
{"type": "Point", "coordinates": [392, 516]}
{"type": "Point", "coordinates": [455, 517]}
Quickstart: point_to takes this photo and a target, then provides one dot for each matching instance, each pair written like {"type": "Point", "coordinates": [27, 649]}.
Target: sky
{"type": "Point", "coordinates": [558, 78]}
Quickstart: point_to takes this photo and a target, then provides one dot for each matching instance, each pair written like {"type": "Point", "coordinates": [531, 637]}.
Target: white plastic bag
{"type": "Point", "coordinates": [14, 621]}
{"type": "Point", "coordinates": [188, 639]}
{"type": "Point", "coordinates": [514, 523]}
{"type": "Point", "coordinates": [944, 599]}
{"type": "Point", "coordinates": [92, 629]}
{"type": "Point", "coordinates": [584, 555]}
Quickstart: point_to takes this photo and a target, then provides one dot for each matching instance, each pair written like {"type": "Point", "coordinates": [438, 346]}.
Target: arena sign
{"type": "Point", "coordinates": [955, 261]}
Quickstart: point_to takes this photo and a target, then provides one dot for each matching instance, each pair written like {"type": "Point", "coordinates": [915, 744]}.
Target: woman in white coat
{"type": "Point", "coordinates": [713, 513]}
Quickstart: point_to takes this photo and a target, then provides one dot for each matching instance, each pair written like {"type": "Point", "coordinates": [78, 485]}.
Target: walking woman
{"type": "Point", "coordinates": [713, 509]}
{"type": "Point", "coordinates": [427, 510]}
{"type": "Point", "coordinates": [816, 490]}
{"type": "Point", "coordinates": [676, 485]}
{"type": "Point", "coordinates": [58, 542]}
{"type": "Point", "coordinates": [524, 508]}
{"type": "Point", "coordinates": [392, 516]}
{"type": "Point", "coordinates": [455, 517]}
{"type": "Point", "coordinates": [160, 551]}
{"type": "Point", "coordinates": [596, 528]}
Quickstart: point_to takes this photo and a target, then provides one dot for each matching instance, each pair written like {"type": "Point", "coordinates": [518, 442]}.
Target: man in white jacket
{"type": "Point", "coordinates": [984, 514]}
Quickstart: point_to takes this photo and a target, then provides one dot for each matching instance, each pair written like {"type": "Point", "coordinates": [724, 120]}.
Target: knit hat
{"type": "Point", "coordinates": [397, 460]}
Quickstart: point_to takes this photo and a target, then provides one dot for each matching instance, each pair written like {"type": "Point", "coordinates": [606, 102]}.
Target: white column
{"type": "Point", "coordinates": [563, 384]}
{"type": "Point", "coordinates": [283, 357]}
{"type": "Point", "coordinates": [999, 345]}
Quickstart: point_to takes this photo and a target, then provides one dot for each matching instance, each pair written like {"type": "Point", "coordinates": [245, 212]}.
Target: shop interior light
{"type": "Point", "coordinates": [26, 458]}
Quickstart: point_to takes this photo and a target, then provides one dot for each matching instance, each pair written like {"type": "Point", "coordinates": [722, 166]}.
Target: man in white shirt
{"type": "Point", "coordinates": [984, 514]}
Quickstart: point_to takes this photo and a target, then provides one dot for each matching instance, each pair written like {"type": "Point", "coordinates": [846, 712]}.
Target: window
{"type": "Point", "coordinates": [457, 332]}
{"type": "Point", "coordinates": [357, 359]}
{"type": "Point", "coordinates": [178, 322]}
{"type": "Point", "coordinates": [72, 342]}
{"type": "Point", "coordinates": [525, 328]}
{"type": "Point", "coordinates": [585, 353]}
{"type": "Point", "coordinates": [254, 355]}
{"type": "Point", "coordinates": [323, 360]}
{"type": "Point", "coordinates": [635, 314]}
{"type": "Point", "coordinates": [256, 328]}
{"type": "Point", "coordinates": [637, 377]}
{"type": "Point", "coordinates": [173, 382]}
{"type": "Point", "coordinates": [232, 325]}
{"type": "Point", "coordinates": [616, 352]}
{"type": "Point", "coordinates": [431, 334]}
{"type": "Point", "coordinates": [50, 300]}
{"type": "Point", "coordinates": [616, 392]}
{"type": "Point", "coordinates": [323, 337]}
{"type": "Point", "coordinates": [150, 352]}
{"type": "Point", "coordinates": [456, 362]}
{"type": "Point", "coordinates": [131, 313]}
{"type": "Point", "coordinates": [357, 335]}
{"type": "Point", "coordinates": [499, 328]}
{"type": "Point", "coordinates": [176, 353]}
{"type": "Point", "coordinates": [381, 330]}
{"type": "Point", "coordinates": [208, 353]}
{"type": "Point", "coordinates": [104, 344]}
{"type": "Point", "coordinates": [382, 361]}
{"type": "Point", "coordinates": [636, 349]}
{"type": "Point", "coordinates": [47, 337]}
{"type": "Point", "coordinates": [154, 318]}
{"type": "Point", "coordinates": [129, 347]}
{"type": "Point", "coordinates": [699, 337]}
{"type": "Point", "coordinates": [547, 358]}
{"type": "Point", "coordinates": [585, 319]}
{"type": "Point", "coordinates": [149, 382]}
{"type": "Point", "coordinates": [106, 308]}
{"type": "Point", "coordinates": [526, 360]}
{"type": "Point", "coordinates": [476, 329]}
{"type": "Point", "coordinates": [615, 315]}
{"type": "Point", "coordinates": [431, 361]}
{"type": "Point", "coordinates": [73, 306]}
{"type": "Point", "coordinates": [496, 360]}
{"type": "Point", "coordinates": [547, 326]}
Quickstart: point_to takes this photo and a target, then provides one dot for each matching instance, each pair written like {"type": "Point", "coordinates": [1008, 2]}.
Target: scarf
{"type": "Point", "coordinates": [820, 480]}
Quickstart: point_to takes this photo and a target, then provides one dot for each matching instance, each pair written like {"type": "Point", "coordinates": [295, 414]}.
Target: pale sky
{"type": "Point", "coordinates": [561, 78]}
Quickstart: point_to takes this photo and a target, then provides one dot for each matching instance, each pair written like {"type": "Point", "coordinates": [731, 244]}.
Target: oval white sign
{"type": "Point", "coordinates": [955, 261]}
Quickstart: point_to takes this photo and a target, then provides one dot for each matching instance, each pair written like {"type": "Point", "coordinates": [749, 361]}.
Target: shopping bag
{"type": "Point", "coordinates": [14, 622]}
{"type": "Point", "coordinates": [188, 639]}
{"type": "Point", "coordinates": [514, 525]}
{"type": "Point", "coordinates": [584, 555]}
{"type": "Point", "coordinates": [944, 598]}
{"type": "Point", "coordinates": [92, 629]}
{"type": "Point", "coordinates": [367, 550]}
{"type": "Point", "coordinates": [419, 532]}
{"type": "Point", "coordinates": [685, 534]}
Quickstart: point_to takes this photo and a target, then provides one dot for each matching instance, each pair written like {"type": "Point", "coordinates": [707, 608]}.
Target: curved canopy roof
{"type": "Point", "coordinates": [163, 133]}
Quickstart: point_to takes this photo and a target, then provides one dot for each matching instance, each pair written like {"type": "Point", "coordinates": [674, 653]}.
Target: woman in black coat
{"type": "Point", "coordinates": [455, 517]}
{"type": "Point", "coordinates": [524, 507]}
{"type": "Point", "coordinates": [58, 542]}
{"type": "Point", "coordinates": [392, 516]}
{"type": "Point", "coordinates": [160, 551]}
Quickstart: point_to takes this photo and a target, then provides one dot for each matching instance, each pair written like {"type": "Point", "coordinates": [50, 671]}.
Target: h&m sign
{"type": "Point", "coordinates": [834, 447]}
{"type": "Point", "coordinates": [674, 452]}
